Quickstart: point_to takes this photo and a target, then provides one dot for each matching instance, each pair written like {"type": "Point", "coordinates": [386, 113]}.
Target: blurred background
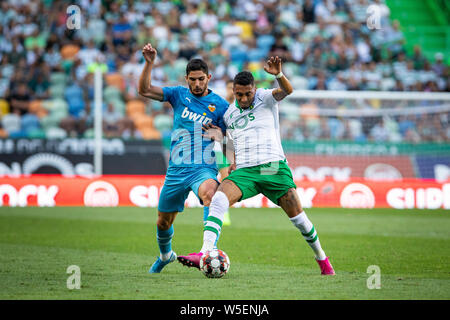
{"type": "Point", "coordinates": [371, 80]}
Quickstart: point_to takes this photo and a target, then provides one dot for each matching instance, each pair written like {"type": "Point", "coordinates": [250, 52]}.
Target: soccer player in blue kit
{"type": "Point", "coordinates": [192, 163]}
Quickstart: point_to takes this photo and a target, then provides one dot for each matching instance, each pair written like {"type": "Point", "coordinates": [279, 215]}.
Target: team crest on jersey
{"type": "Point", "coordinates": [212, 107]}
{"type": "Point", "coordinates": [242, 122]}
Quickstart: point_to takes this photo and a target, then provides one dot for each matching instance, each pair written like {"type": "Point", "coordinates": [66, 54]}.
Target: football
{"type": "Point", "coordinates": [215, 263]}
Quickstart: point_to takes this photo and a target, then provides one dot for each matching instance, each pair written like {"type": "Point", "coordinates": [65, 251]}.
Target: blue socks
{"type": "Point", "coordinates": [164, 238]}
{"type": "Point", "coordinates": [205, 214]}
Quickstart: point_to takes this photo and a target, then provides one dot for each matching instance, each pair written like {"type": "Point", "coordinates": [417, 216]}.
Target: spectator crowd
{"type": "Point", "coordinates": [47, 68]}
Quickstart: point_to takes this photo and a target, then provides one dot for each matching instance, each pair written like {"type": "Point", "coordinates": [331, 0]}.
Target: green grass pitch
{"type": "Point", "coordinates": [114, 248]}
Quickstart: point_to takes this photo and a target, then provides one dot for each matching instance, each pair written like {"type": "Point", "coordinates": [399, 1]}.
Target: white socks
{"type": "Point", "coordinates": [309, 233]}
{"type": "Point", "coordinates": [165, 256]}
{"type": "Point", "coordinates": [213, 225]}
{"type": "Point", "coordinates": [220, 204]}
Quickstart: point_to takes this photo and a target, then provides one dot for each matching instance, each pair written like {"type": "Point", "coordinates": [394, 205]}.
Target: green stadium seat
{"type": "Point", "coordinates": [11, 122]}
{"type": "Point", "coordinates": [89, 133]}
{"type": "Point", "coordinates": [36, 134]}
{"type": "Point", "coordinates": [48, 122]}
{"type": "Point", "coordinates": [163, 122]}
{"type": "Point", "coordinates": [119, 106]}
{"type": "Point", "coordinates": [58, 78]}
{"type": "Point", "coordinates": [55, 133]}
{"type": "Point", "coordinates": [111, 93]}
{"type": "Point", "coordinates": [57, 91]}
{"type": "Point", "coordinates": [57, 105]}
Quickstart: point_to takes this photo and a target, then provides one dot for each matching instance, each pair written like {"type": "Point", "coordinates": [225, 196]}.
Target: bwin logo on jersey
{"type": "Point", "coordinates": [203, 119]}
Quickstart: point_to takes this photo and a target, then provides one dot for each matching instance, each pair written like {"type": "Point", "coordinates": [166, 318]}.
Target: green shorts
{"type": "Point", "coordinates": [221, 160]}
{"type": "Point", "coordinates": [272, 179]}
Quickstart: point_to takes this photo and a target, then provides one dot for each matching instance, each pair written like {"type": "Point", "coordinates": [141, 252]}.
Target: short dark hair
{"type": "Point", "coordinates": [197, 64]}
{"type": "Point", "coordinates": [244, 78]}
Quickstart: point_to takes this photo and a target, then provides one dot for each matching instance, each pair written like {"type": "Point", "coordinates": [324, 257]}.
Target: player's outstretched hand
{"type": "Point", "coordinates": [212, 132]}
{"type": "Point", "coordinates": [231, 168]}
{"type": "Point", "coordinates": [149, 53]}
{"type": "Point", "coordinates": [273, 65]}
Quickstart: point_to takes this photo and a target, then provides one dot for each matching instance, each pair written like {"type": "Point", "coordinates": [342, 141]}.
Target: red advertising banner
{"type": "Point", "coordinates": [343, 168]}
{"type": "Point", "coordinates": [143, 191]}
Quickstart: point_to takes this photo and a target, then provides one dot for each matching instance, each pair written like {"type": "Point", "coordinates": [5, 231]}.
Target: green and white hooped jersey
{"type": "Point", "coordinates": [255, 131]}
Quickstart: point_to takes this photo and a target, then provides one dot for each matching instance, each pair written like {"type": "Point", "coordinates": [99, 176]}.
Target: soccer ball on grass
{"type": "Point", "coordinates": [214, 263]}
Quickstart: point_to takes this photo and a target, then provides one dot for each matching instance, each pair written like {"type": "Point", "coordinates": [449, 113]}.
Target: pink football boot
{"type": "Point", "coordinates": [326, 267]}
{"type": "Point", "coordinates": [191, 260]}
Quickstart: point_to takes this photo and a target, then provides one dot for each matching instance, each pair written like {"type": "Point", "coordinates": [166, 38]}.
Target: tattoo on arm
{"type": "Point", "coordinates": [279, 94]}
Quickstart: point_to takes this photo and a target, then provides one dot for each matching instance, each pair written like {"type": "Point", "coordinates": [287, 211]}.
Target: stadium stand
{"type": "Point", "coordinates": [46, 82]}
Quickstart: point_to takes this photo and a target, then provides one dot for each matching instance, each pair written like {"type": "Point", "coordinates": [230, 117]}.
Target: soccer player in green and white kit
{"type": "Point", "coordinates": [260, 164]}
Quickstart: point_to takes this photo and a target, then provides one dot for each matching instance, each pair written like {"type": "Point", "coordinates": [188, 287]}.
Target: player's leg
{"type": "Point", "coordinates": [204, 183]}
{"type": "Point", "coordinates": [291, 204]}
{"type": "Point", "coordinates": [223, 174]}
{"type": "Point", "coordinates": [164, 235]}
{"type": "Point", "coordinates": [204, 188]}
{"type": "Point", "coordinates": [205, 192]}
{"type": "Point", "coordinates": [275, 182]}
{"type": "Point", "coordinates": [238, 185]}
{"type": "Point", "coordinates": [227, 194]}
{"type": "Point", "coordinates": [171, 201]}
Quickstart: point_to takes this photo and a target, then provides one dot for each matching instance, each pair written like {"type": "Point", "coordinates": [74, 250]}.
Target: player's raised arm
{"type": "Point", "coordinates": [273, 66]}
{"type": "Point", "coordinates": [145, 87]}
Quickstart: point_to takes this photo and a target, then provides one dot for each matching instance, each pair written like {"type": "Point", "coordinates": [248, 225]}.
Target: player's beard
{"type": "Point", "coordinates": [200, 91]}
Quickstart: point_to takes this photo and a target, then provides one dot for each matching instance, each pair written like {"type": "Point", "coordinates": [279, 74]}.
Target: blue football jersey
{"type": "Point", "coordinates": [188, 147]}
